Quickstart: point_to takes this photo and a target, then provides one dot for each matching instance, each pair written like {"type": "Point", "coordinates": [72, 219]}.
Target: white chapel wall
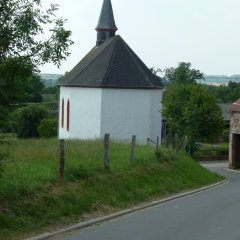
{"type": "Point", "coordinates": [85, 111]}
{"type": "Point", "coordinates": [156, 114]}
{"type": "Point", "coordinates": [127, 112]}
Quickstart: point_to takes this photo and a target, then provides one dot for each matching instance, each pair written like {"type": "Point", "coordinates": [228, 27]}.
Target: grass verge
{"type": "Point", "coordinates": [32, 198]}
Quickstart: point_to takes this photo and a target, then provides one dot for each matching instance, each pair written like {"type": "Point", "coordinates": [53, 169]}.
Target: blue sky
{"type": "Point", "coordinates": [161, 32]}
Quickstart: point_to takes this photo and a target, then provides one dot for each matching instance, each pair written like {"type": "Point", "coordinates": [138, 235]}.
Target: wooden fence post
{"type": "Point", "coordinates": [106, 151]}
{"type": "Point", "coordinates": [133, 148]}
{"type": "Point", "coordinates": [61, 159]}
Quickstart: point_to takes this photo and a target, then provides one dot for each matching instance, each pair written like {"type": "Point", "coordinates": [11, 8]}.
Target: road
{"type": "Point", "coordinates": [209, 215]}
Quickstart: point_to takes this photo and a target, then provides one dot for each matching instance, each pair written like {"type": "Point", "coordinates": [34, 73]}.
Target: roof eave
{"type": "Point", "coordinates": [113, 87]}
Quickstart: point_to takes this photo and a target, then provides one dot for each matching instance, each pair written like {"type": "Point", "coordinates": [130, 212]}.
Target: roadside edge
{"type": "Point", "coordinates": [125, 212]}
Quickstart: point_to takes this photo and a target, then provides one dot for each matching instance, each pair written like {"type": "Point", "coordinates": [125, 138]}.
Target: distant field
{"type": "Point", "coordinates": [32, 198]}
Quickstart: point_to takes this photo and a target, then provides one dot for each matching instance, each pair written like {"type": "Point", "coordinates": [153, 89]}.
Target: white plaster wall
{"type": "Point", "coordinates": [156, 115]}
{"type": "Point", "coordinates": [127, 112]}
{"type": "Point", "coordinates": [85, 113]}
{"type": "Point", "coordinates": [64, 93]}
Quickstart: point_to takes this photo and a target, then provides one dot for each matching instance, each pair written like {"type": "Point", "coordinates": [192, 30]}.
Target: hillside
{"type": "Point", "coordinates": [32, 197]}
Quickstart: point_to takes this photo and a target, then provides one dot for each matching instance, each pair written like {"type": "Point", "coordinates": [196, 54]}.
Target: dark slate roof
{"type": "Point", "coordinates": [235, 107]}
{"type": "Point", "coordinates": [106, 19]}
{"type": "Point", "coordinates": [113, 64]}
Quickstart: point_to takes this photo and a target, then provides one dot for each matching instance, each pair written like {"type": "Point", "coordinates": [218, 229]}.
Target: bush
{"type": "Point", "coordinates": [13, 120]}
{"type": "Point", "coordinates": [29, 119]}
{"type": "Point", "coordinates": [225, 135]}
{"type": "Point", "coordinates": [212, 150]}
{"type": "Point", "coordinates": [48, 128]}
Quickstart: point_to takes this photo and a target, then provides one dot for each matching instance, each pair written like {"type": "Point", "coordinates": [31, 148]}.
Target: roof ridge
{"type": "Point", "coordinates": [112, 64]}
{"type": "Point", "coordinates": [102, 46]}
{"type": "Point", "coordinates": [117, 37]}
{"type": "Point", "coordinates": [130, 52]}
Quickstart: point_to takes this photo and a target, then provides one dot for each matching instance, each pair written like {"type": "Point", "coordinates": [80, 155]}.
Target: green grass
{"type": "Point", "coordinates": [32, 198]}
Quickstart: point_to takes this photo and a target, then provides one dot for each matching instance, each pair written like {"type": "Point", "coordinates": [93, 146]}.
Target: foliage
{"type": "Point", "coordinates": [182, 74]}
{"type": "Point", "coordinates": [13, 120]}
{"type": "Point", "coordinates": [14, 75]}
{"type": "Point", "coordinates": [226, 94]}
{"type": "Point", "coordinates": [155, 71]}
{"type": "Point", "coordinates": [31, 196]}
{"type": "Point", "coordinates": [212, 150]}
{"type": "Point", "coordinates": [225, 135]}
{"type": "Point", "coordinates": [50, 90]}
{"type": "Point", "coordinates": [29, 119]}
{"type": "Point", "coordinates": [34, 90]}
{"type": "Point", "coordinates": [25, 44]}
{"type": "Point", "coordinates": [192, 113]}
{"type": "Point", "coordinates": [52, 93]}
{"type": "Point", "coordinates": [48, 128]}
{"type": "Point", "coordinates": [22, 21]}
{"type": "Point", "coordinates": [3, 125]}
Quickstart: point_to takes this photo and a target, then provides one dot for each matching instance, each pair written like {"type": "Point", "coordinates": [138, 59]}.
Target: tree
{"type": "Point", "coordinates": [182, 74]}
{"type": "Point", "coordinates": [234, 91]}
{"type": "Point", "coordinates": [34, 89]}
{"type": "Point", "coordinates": [29, 119]}
{"type": "Point", "coordinates": [21, 29]}
{"type": "Point", "coordinates": [48, 128]}
{"type": "Point", "coordinates": [192, 114]}
{"type": "Point", "coordinates": [14, 75]}
{"type": "Point", "coordinates": [226, 93]}
{"type": "Point", "coordinates": [155, 71]}
{"type": "Point", "coordinates": [24, 45]}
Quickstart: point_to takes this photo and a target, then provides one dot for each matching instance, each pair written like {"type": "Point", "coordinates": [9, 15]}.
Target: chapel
{"type": "Point", "coordinates": [110, 91]}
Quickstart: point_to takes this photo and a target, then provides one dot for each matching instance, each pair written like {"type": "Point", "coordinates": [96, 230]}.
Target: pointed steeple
{"type": "Point", "coordinates": [106, 26]}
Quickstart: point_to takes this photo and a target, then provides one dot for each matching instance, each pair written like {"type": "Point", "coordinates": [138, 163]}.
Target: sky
{"type": "Point", "coordinates": [161, 32]}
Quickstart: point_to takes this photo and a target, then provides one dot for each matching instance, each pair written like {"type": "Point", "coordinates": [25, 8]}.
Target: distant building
{"type": "Point", "coordinates": [110, 91]}
{"type": "Point", "coordinates": [234, 145]}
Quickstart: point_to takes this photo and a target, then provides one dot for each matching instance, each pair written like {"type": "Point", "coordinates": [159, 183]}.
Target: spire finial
{"type": "Point", "coordinates": [106, 26]}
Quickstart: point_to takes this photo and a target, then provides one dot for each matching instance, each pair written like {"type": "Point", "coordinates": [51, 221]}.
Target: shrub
{"type": "Point", "coordinates": [225, 135]}
{"type": "Point", "coordinates": [48, 128]}
{"type": "Point", "coordinates": [212, 150]}
{"type": "Point", "coordinates": [29, 119]}
{"type": "Point", "coordinates": [13, 120]}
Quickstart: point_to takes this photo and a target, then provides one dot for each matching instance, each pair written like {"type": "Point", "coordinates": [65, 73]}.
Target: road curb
{"type": "Point", "coordinates": [124, 212]}
{"type": "Point", "coordinates": [231, 170]}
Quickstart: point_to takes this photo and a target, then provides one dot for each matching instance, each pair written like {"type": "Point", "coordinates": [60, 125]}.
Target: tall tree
{"type": "Point", "coordinates": [22, 45]}
{"type": "Point", "coordinates": [34, 89]}
{"type": "Point", "coordinates": [22, 30]}
{"type": "Point", "coordinates": [192, 114]}
{"type": "Point", "coordinates": [25, 44]}
{"type": "Point", "coordinates": [182, 74]}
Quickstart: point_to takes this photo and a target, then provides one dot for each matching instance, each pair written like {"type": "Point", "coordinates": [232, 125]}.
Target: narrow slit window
{"type": "Point", "coordinates": [62, 112]}
{"type": "Point", "coordinates": [68, 115]}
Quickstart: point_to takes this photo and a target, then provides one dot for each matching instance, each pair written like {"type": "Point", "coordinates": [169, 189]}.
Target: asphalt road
{"type": "Point", "coordinates": [209, 215]}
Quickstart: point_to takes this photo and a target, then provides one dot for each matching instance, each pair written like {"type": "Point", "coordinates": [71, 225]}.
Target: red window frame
{"type": "Point", "coordinates": [68, 115]}
{"type": "Point", "coordinates": [62, 112]}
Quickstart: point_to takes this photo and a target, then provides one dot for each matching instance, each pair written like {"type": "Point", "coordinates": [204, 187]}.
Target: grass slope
{"type": "Point", "coordinates": [31, 196]}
